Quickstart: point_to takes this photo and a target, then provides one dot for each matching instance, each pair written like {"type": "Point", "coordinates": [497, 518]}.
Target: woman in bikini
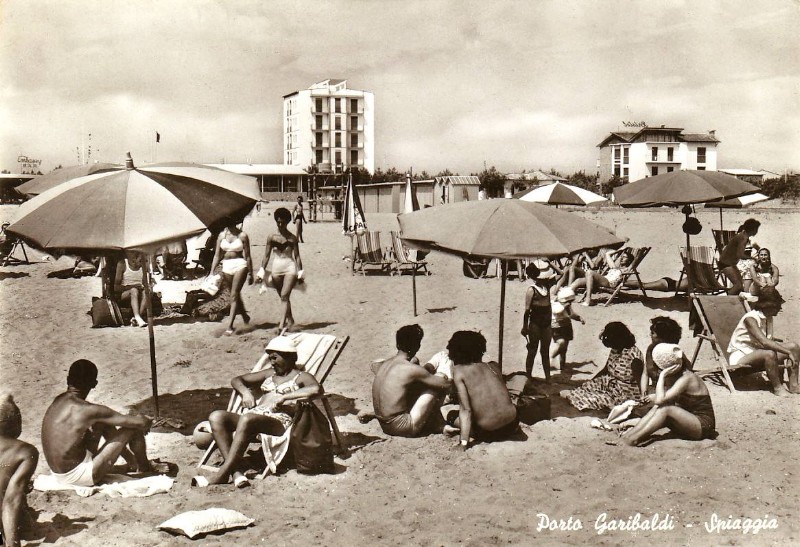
{"type": "Point", "coordinates": [537, 318]}
{"type": "Point", "coordinates": [763, 273]}
{"type": "Point", "coordinates": [299, 219]}
{"type": "Point", "coordinates": [233, 253]}
{"type": "Point", "coordinates": [287, 266]}
{"type": "Point", "coordinates": [681, 401]}
{"type": "Point", "coordinates": [267, 398]}
{"type": "Point", "coordinates": [617, 262]}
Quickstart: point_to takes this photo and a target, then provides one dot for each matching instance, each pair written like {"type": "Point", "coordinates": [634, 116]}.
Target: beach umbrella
{"type": "Point", "coordinates": [682, 188]}
{"type": "Point", "coordinates": [353, 220]}
{"type": "Point", "coordinates": [43, 183]}
{"type": "Point", "coordinates": [134, 209]}
{"type": "Point", "coordinates": [559, 193]}
{"type": "Point", "coordinates": [737, 203]}
{"type": "Point", "coordinates": [506, 229]}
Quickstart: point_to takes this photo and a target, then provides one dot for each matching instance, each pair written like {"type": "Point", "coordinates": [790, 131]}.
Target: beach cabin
{"type": "Point", "coordinates": [453, 189]}
{"type": "Point", "coordinates": [277, 182]}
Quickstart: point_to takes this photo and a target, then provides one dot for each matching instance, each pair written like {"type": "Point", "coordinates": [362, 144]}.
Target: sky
{"type": "Point", "coordinates": [457, 84]}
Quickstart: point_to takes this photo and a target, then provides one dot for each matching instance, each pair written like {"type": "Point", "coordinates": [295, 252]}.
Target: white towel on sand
{"type": "Point", "coordinates": [115, 486]}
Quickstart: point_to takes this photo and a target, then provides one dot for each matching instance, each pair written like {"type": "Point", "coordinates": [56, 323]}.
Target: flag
{"type": "Point", "coordinates": [158, 137]}
{"type": "Point", "coordinates": [353, 214]}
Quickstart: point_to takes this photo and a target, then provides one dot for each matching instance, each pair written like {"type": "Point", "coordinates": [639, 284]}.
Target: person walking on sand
{"type": "Point", "coordinates": [299, 219]}
{"type": "Point", "coordinates": [233, 252]}
{"type": "Point", "coordinates": [73, 428]}
{"type": "Point", "coordinates": [18, 461]}
{"type": "Point", "coordinates": [287, 266]}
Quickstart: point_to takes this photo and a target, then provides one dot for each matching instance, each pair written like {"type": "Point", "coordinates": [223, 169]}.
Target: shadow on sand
{"type": "Point", "coordinates": [189, 407]}
{"type": "Point", "coordinates": [13, 275]}
{"type": "Point", "coordinates": [62, 526]}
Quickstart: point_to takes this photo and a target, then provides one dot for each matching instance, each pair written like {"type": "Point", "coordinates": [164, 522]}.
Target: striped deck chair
{"type": "Point", "coordinates": [638, 254]}
{"type": "Point", "coordinates": [402, 257]}
{"type": "Point", "coordinates": [316, 353]}
{"type": "Point", "coordinates": [369, 252]}
{"type": "Point", "coordinates": [718, 316]}
{"type": "Point", "coordinates": [700, 271]}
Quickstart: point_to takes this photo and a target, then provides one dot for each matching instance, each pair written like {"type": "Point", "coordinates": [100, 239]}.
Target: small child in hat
{"type": "Point", "coordinates": [561, 327]}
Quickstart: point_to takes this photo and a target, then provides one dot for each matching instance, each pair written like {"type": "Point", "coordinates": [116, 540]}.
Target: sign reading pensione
{"type": "Point", "coordinates": [634, 124]}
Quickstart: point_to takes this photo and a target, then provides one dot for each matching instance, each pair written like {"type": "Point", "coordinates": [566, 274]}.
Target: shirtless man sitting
{"type": "Point", "coordinates": [486, 412]}
{"type": "Point", "coordinates": [72, 429]}
{"type": "Point", "coordinates": [405, 396]}
{"type": "Point", "coordinates": [17, 463]}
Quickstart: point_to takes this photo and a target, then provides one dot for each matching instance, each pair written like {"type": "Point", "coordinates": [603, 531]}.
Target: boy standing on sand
{"type": "Point", "coordinates": [72, 429]}
{"type": "Point", "coordinates": [18, 461]}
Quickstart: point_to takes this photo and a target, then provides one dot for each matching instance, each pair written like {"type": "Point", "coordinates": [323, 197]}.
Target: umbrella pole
{"type": "Point", "coordinates": [148, 292]}
{"type": "Point", "coordinates": [414, 287]}
{"type": "Point", "coordinates": [720, 219]}
{"type": "Point", "coordinates": [503, 272]}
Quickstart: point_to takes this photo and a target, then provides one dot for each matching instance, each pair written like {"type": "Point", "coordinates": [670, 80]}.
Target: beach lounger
{"type": "Point", "coordinates": [402, 257]}
{"type": "Point", "coordinates": [317, 353]}
{"type": "Point", "coordinates": [700, 270]}
{"type": "Point", "coordinates": [639, 254]}
{"type": "Point", "coordinates": [369, 252]}
{"type": "Point", "coordinates": [718, 317]}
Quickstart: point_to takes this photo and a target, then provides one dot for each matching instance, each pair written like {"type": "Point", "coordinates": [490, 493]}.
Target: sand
{"type": "Point", "coordinates": [413, 491]}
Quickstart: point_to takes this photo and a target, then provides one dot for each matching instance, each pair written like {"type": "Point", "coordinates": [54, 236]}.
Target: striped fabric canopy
{"type": "Point", "coordinates": [559, 193]}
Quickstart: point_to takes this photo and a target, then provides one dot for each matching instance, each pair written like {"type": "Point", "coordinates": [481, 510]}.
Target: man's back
{"type": "Point", "coordinates": [65, 428]}
{"type": "Point", "coordinates": [392, 385]}
{"type": "Point", "coordinates": [488, 397]}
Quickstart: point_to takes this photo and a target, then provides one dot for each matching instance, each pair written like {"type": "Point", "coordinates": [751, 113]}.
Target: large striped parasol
{"type": "Point", "coordinates": [559, 193]}
{"type": "Point", "coordinates": [353, 221]}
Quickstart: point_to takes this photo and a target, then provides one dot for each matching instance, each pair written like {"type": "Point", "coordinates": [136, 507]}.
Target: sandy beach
{"type": "Point", "coordinates": [393, 491]}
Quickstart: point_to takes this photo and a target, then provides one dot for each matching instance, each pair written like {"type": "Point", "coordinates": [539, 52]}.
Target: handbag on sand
{"type": "Point", "coordinates": [310, 440]}
{"type": "Point", "coordinates": [531, 406]}
{"type": "Point", "coordinates": [105, 313]}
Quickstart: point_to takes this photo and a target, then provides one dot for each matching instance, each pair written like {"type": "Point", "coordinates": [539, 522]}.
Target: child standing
{"type": "Point", "coordinates": [561, 327]}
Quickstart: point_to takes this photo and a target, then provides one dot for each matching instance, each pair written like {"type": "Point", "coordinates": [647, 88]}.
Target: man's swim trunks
{"type": "Point", "coordinates": [399, 425]}
{"type": "Point", "coordinates": [80, 476]}
{"type": "Point", "coordinates": [500, 434]}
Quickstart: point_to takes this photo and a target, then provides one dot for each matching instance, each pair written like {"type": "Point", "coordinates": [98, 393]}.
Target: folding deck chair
{"type": "Point", "coordinates": [638, 253]}
{"type": "Point", "coordinates": [722, 237]}
{"type": "Point", "coordinates": [699, 269]}
{"type": "Point", "coordinates": [718, 316]}
{"type": "Point", "coordinates": [369, 252]}
{"type": "Point", "coordinates": [8, 246]}
{"type": "Point", "coordinates": [402, 258]}
{"type": "Point", "coordinates": [317, 353]}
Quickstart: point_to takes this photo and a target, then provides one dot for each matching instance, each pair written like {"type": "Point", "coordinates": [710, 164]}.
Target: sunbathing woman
{"type": "Point", "coordinates": [617, 262]}
{"type": "Point", "coordinates": [619, 380]}
{"type": "Point", "coordinates": [287, 267]}
{"type": "Point", "coordinates": [537, 317]}
{"type": "Point", "coordinates": [233, 252]}
{"type": "Point", "coordinates": [265, 395]}
{"type": "Point", "coordinates": [128, 288]}
{"type": "Point", "coordinates": [681, 402]}
{"type": "Point", "coordinates": [763, 273]}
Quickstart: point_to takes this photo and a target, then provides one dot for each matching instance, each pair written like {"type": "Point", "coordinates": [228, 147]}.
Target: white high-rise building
{"type": "Point", "coordinates": [330, 127]}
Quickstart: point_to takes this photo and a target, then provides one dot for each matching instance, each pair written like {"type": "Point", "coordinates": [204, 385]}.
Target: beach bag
{"type": "Point", "coordinates": [476, 268]}
{"type": "Point", "coordinates": [105, 313]}
{"type": "Point", "coordinates": [216, 308]}
{"type": "Point", "coordinates": [532, 406]}
{"type": "Point", "coordinates": [310, 441]}
{"type": "Point", "coordinates": [211, 284]}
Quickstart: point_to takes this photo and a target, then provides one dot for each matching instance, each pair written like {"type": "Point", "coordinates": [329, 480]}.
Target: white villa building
{"type": "Point", "coordinates": [650, 151]}
{"type": "Point", "coordinates": [329, 127]}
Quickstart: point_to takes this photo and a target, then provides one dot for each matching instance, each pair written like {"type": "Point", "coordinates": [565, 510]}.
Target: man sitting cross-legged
{"type": "Point", "coordinates": [486, 412]}
{"type": "Point", "coordinates": [405, 396]}
{"type": "Point", "coordinates": [72, 429]}
{"type": "Point", "coordinates": [17, 463]}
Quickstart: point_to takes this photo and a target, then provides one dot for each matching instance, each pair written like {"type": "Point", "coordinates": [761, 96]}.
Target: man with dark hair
{"type": "Point", "coordinates": [406, 397]}
{"type": "Point", "coordinates": [17, 463]}
{"type": "Point", "coordinates": [486, 412]}
{"type": "Point", "coordinates": [734, 251]}
{"type": "Point", "coordinates": [752, 343]}
{"type": "Point", "coordinates": [72, 429]}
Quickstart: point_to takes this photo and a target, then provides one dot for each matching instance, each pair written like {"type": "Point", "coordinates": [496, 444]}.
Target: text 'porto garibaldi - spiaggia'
{"type": "Point", "coordinates": [656, 522]}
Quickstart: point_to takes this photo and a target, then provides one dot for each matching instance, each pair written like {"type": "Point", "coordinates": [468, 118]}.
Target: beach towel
{"type": "Point", "coordinates": [115, 486]}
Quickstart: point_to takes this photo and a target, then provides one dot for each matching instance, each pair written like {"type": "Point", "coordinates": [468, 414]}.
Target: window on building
{"type": "Point", "coordinates": [318, 120]}
{"type": "Point", "coordinates": [655, 153]}
{"type": "Point", "coordinates": [626, 155]}
{"type": "Point", "coordinates": [616, 170]}
{"type": "Point", "coordinates": [701, 154]}
{"type": "Point", "coordinates": [318, 105]}
{"type": "Point", "coordinates": [353, 123]}
{"type": "Point", "coordinates": [654, 170]}
{"type": "Point", "coordinates": [670, 151]}
{"type": "Point", "coordinates": [319, 156]}
{"type": "Point", "coordinates": [337, 105]}
{"type": "Point", "coordinates": [353, 157]}
{"type": "Point", "coordinates": [616, 153]}
{"type": "Point", "coordinates": [669, 169]}
{"type": "Point", "coordinates": [337, 122]}
{"type": "Point", "coordinates": [625, 172]}
{"type": "Point", "coordinates": [353, 105]}
{"type": "Point", "coordinates": [354, 140]}
{"type": "Point", "coordinates": [338, 139]}
{"type": "Point", "coordinates": [701, 167]}
{"type": "Point", "coordinates": [338, 157]}
{"type": "Point", "coordinates": [318, 139]}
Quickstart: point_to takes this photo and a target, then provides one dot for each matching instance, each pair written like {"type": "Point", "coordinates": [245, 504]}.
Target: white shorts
{"type": "Point", "coordinates": [232, 266]}
{"type": "Point", "coordinates": [736, 357]}
{"type": "Point", "coordinates": [80, 476]}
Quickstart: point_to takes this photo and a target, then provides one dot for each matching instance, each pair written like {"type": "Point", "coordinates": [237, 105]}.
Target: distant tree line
{"type": "Point", "coordinates": [786, 187]}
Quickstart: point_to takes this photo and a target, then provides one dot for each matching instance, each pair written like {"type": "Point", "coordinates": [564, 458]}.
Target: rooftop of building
{"type": "Point", "coordinates": [633, 136]}
{"type": "Point", "coordinates": [748, 172]}
{"type": "Point", "coordinates": [535, 175]}
{"type": "Point", "coordinates": [259, 168]}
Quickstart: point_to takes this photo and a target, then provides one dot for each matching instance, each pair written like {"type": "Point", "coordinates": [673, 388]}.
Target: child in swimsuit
{"type": "Point", "coordinates": [563, 316]}
{"type": "Point", "coordinates": [537, 318]}
{"type": "Point", "coordinates": [681, 401]}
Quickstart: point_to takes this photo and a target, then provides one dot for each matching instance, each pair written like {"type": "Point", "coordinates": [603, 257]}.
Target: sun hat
{"type": "Point", "coordinates": [282, 344]}
{"type": "Point", "coordinates": [565, 294]}
{"type": "Point", "coordinates": [667, 355]}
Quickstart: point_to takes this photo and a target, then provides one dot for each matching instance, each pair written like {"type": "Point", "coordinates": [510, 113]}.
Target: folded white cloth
{"type": "Point", "coordinates": [115, 486]}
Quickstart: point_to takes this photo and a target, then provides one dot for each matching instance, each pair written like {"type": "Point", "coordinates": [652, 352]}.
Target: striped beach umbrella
{"type": "Point", "coordinates": [54, 178]}
{"type": "Point", "coordinates": [737, 203]}
{"type": "Point", "coordinates": [559, 193]}
{"type": "Point", "coordinates": [353, 220]}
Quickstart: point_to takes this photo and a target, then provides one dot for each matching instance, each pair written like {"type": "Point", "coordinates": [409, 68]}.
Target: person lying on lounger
{"type": "Point", "coordinates": [681, 401]}
{"type": "Point", "coordinates": [617, 262]}
{"type": "Point", "coordinates": [73, 428]}
{"type": "Point", "coordinates": [752, 344]}
{"type": "Point", "coordinates": [18, 461]}
{"type": "Point", "coordinates": [405, 396]}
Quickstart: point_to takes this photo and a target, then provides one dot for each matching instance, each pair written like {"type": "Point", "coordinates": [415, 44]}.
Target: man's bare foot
{"type": "Point", "coordinates": [161, 468]}
{"type": "Point", "coordinates": [450, 430]}
{"type": "Point", "coordinates": [366, 417]}
{"type": "Point", "coordinates": [780, 391]}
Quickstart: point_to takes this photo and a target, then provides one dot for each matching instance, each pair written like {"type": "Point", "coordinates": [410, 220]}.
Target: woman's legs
{"type": "Point", "coordinates": [680, 421]}
{"type": "Point", "coordinates": [544, 350]}
{"type": "Point", "coordinates": [298, 225]}
{"type": "Point", "coordinates": [536, 340]}
{"type": "Point", "coordinates": [592, 279]}
{"type": "Point", "coordinates": [237, 306]}
{"type": "Point", "coordinates": [284, 285]}
{"type": "Point", "coordinates": [233, 447]}
{"type": "Point", "coordinates": [769, 361]}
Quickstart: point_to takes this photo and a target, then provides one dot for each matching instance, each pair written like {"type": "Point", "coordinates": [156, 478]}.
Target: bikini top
{"type": "Point", "coordinates": [281, 246]}
{"type": "Point", "coordinates": [288, 386]}
{"type": "Point", "coordinates": [235, 246]}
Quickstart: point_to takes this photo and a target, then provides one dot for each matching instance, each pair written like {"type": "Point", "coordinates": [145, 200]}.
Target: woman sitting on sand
{"type": "Point", "coordinates": [617, 262]}
{"type": "Point", "coordinates": [621, 378]}
{"type": "Point", "coordinates": [233, 252]}
{"type": "Point", "coordinates": [763, 273]}
{"type": "Point", "coordinates": [265, 395]}
{"type": "Point", "coordinates": [681, 401]}
{"type": "Point", "coordinates": [128, 288]}
{"type": "Point", "coordinates": [287, 267]}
